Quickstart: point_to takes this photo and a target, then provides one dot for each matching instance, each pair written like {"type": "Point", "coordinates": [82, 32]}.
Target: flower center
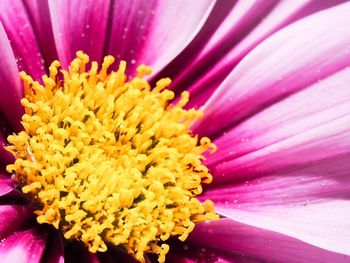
{"type": "Point", "coordinates": [110, 161]}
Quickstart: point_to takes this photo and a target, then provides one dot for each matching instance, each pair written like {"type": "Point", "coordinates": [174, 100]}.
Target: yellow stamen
{"type": "Point", "coordinates": [111, 161]}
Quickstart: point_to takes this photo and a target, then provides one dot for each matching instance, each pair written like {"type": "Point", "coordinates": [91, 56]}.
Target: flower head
{"type": "Point", "coordinates": [107, 160]}
{"type": "Point", "coordinates": [109, 163]}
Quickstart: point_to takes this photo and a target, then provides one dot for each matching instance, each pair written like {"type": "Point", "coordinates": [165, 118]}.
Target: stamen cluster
{"type": "Point", "coordinates": [111, 161]}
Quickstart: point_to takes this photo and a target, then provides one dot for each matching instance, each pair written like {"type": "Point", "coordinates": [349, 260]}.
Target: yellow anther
{"type": "Point", "coordinates": [162, 84]}
{"type": "Point", "coordinates": [109, 160]}
{"type": "Point", "coordinates": [107, 62]}
{"type": "Point", "coordinates": [27, 80]}
{"type": "Point", "coordinates": [185, 96]}
{"type": "Point", "coordinates": [143, 70]}
{"type": "Point", "coordinates": [53, 69]}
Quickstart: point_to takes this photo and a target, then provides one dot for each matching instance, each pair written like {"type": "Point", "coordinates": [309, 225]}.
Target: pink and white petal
{"type": "Point", "coordinates": [311, 147]}
{"type": "Point", "coordinates": [283, 14]}
{"type": "Point", "coordinates": [260, 244]}
{"type": "Point", "coordinates": [298, 151]}
{"type": "Point", "coordinates": [277, 15]}
{"type": "Point", "coordinates": [39, 13]}
{"type": "Point", "coordinates": [155, 32]}
{"type": "Point", "coordinates": [280, 66]}
{"type": "Point", "coordinates": [243, 17]}
{"type": "Point", "coordinates": [17, 25]}
{"type": "Point", "coordinates": [265, 134]}
{"type": "Point", "coordinates": [6, 184]}
{"type": "Point", "coordinates": [23, 247]}
{"type": "Point", "coordinates": [79, 25]}
{"type": "Point", "coordinates": [323, 224]}
{"type": "Point", "coordinates": [10, 88]}
{"type": "Point", "coordinates": [310, 203]}
{"type": "Point", "coordinates": [12, 218]}
{"type": "Point", "coordinates": [326, 181]}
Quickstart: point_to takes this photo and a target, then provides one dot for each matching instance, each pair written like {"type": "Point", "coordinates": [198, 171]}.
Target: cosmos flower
{"type": "Point", "coordinates": [270, 82]}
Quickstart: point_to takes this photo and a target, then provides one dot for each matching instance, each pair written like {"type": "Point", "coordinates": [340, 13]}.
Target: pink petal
{"type": "Point", "coordinates": [280, 66]}
{"type": "Point", "coordinates": [12, 218]}
{"type": "Point", "coordinates": [10, 88]}
{"type": "Point", "coordinates": [307, 148]}
{"type": "Point", "coordinates": [310, 125]}
{"type": "Point", "coordinates": [262, 245]}
{"type": "Point", "coordinates": [6, 184]}
{"type": "Point", "coordinates": [79, 25]}
{"type": "Point", "coordinates": [306, 195]}
{"type": "Point", "coordinates": [154, 32]}
{"type": "Point", "coordinates": [20, 32]}
{"type": "Point", "coordinates": [192, 253]}
{"type": "Point", "coordinates": [27, 246]}
{"type": "Point", "coordinates": [39, 13]}
{"type": "Point", "coordinates": [243, 16]}
{"type": "Point", "coordinates": [298, 151]}
{"type": "Point", "coordinates": [323, 224]}
{"type": "Point", "coordinates": [209, 78]}
{"type": "Point", "coordinates": [325, 181]}
{"type": "Point", "coordinates": [199, 256]}
{"type": "Point", "coordinates": [310, 203]}
{"type": "Point", "coordinates": [91, 258]}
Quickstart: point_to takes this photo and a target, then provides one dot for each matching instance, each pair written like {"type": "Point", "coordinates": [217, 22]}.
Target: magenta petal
{"type": "Point", "coordinates": [311, 147]}
{"type": "Point", "coordinates": [10, 88]}
{"type": "Point", "coordinates": [306, 195]}
{"type": "Point", "coordinates": [20, 32]}
{"type": "Point", "coordinates": [39, 14]}
{"type": "Point", "coordinates": [242, 18]}
{"type": "Point", "coordinates": [325, 181]}
{"type": "Point", "coordinates": [6, 184]}
{"type": "Point", "coordinates": [280, 66]}
{"type": "Point", "coordinates": [263, 245]}
{"type": "Point", "coordinates": [298, 151]}
{"type": "Point", "coordinates": [310, 125]}
{"type": "Point", "coordinates": [154, 32]}
{"type": "Point", "coordinates": [79, 25]}
{"type": "Point", "coordinates": [190, 253]}
{"type": "Point", "coordinates": [12, 218]}
{"type": "Point", "coordinates": [26, 246]}
{"type": "Point", "coordinates": [5, 156]}
{"type": "Point", "coordinates": [91, 258]}
{"type": "Point", "coordinates": [207, 79]}
{"type": "Point", "coordinates": [311, 203]}
{"type": "Point", "coordinates": [195, 258]}
{"type": "Point", "coordinates": [323, 224]}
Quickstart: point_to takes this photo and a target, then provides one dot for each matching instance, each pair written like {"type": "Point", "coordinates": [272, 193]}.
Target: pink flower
{"type": "Point", "coordinates": [273, 78]}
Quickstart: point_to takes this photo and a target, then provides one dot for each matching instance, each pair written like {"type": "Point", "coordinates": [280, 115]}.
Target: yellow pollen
{"type": "Point", "coordinates": [109, 161]}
